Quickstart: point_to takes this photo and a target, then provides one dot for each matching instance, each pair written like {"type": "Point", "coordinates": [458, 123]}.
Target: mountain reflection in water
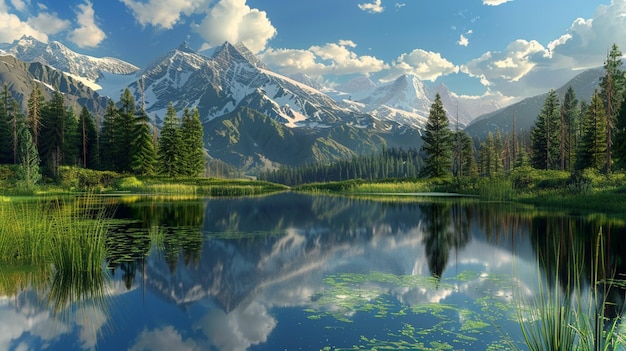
{"type": "Point", "coordinates": [264, 273]}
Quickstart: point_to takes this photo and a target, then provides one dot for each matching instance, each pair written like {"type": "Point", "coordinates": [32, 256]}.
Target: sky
{"type": "Point", "coordinates": [504, 49]}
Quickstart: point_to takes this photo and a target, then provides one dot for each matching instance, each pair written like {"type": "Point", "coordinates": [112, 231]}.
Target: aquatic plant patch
{"type": "Point", "coordinates": [468, 311]}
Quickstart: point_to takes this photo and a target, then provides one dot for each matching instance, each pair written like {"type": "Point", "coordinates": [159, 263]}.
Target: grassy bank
{"type": "Point", "coordinates": [585, 191]}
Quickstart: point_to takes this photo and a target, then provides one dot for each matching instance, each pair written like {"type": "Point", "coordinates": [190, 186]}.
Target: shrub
{"type": "Point", "coordinates": [128, 183]}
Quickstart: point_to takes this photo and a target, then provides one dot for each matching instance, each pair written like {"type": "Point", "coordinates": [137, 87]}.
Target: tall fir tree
{"type": "Point", "coordinates": [468, 161]}
{"type": "Point", "coordinates": [88, 153]}
{"type": "Point", "coordinates": [612, 93]}
{"type": "Point", "coordinates": [28, 173]}
{"type": "Point", "coordinates": [71, 138]}
{"type": "Point", "coordinates": [109, 144]}
{"type": "Point", "coordinates": [571, 120]}
{"type": "Point", "coordinates": [144, 156]}
{"type": "Point", "coordinates": [192, 143]}
{"type": "Point", "coordinates": [126, 129]}
{"type": "Point", "coordinates": [5, 131]}
{"type": "Point", "coordinates": [619, 145]}
{"type": "Point", "coordinates": [170, 145]}
{"type": "Point", "coordinates": [592, 147]}
{"type": "Point", "coordinates": [53, 133]}
{"type": "Point", "coordinates": [437, 141]}
{"type": "Point", "coordinates": [33, 113]}
{"type": "Point", "coordinates": [545, 135]}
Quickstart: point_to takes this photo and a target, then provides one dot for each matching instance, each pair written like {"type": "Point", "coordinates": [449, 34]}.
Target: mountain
{"type": "Point", "coordinates": [57, 55]}
{"type": "Point", "coordinates": [21, 76]}
{"type": "Point", "coordinates": [526, 111]}
{"type": "Point", "coordinates": [255, 118]}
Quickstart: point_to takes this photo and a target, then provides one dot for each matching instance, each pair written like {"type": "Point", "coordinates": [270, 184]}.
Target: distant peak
{"type": "Point", "coordinates": [238, 49]}
{"type": "Point", "coordinates": [184, 47]}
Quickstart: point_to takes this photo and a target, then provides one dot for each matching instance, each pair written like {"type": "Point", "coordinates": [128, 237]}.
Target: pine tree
{"type": "Point", "coordinates": [612, 93]}
{"type": "Point", "coordinates": [468, 162]}
{"type": "Point", "coordinates": [33, 114]}
{"type": "Point", "coordinates": [169, 150]}
{"type": "Point", "coordinates": [545, 135]}
{"type": "Point", "coordinates": [192, 143]}
{"type": "Point", "coordinates": [437, 143]}
{"type": "Point", "coordinates": [592, 149]}
{"type": "Point", "coordinates": [71, 138]}
{"type": "Point", "coordinates": [5, 131]}
{"type": "Point", "coordinates": [125, 126]}
{"type": "Point", "coordinates": [570, 118]}
{"type": "Point", "coordinates": [108, 138]}
{"type": "Point", "coordinates": [144, 155]}
{"type": "Point", "coordinates": [28, 173]}
{"type": "Point", "coordinates": [53, 133]}
{"type": "Point", "coordinates": [619, 146]}
{"type": "Point", "coordinates": [88, 154]}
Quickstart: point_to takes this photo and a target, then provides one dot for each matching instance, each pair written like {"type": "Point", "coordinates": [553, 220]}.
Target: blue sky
{"type": "Point", "coordinates": [505, 49]}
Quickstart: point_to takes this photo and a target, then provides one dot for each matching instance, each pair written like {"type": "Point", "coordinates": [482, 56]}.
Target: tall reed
{"type": "Point", "coordinates": [573, 316]}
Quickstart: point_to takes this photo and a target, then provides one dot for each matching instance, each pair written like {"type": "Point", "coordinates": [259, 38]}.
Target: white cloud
{"type": "Point", "coordinates": [12, 27]}
{"type": "Point", "coordinates": [426, 65]}
{"type": "Point", "coordinates": [374, 7]}
{"type": "Point", "coordinates": [331, 58]}
{"type": "Point", "coordinates": [399, 5]}
{"type": "Point", "coordinates": [163, 13]}
{"type": "Point", "coordinates": [495, 2]}
{"type": "Point", "coordinates": [48, 23]}
{"type": "Point", "coordinates": [463, 41]}
{"type": "Point", "coordinates": [234, 21]}
{"type": "Point", "coordinates": [19, 5]}
{"type": "Point", "coordinates": [528, 68]}
{"type": "Point", "coordinates": [239, 329]}
{"type": "Point", "coordinates": [163, 339]}
{"type": "Point", "coordinates": [88, 34]}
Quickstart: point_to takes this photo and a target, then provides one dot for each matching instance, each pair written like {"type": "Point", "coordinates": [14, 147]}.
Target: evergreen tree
{"type": "Point", "coordinates": [33, 114]}
{"type": "Point", "coordinates": [545, 135]}
{"type": "Point", "coordinates": [53, 133]}
{"type": "Point", "coordinates": [170, 146]}
{"type": "Point", "coordinates": [570, 119]}
{"type": "Point", "coordinates": [437, 143]}
{"type": "Point", "coordinates": [468, 162]}
{"type": "Point", "coordinates": [28, 173]}
{"type": "Point", "coordinates": [144, 155]}
{"type": "Point", "coordinates": [486, 155]}
{"type": "Point", "coordinates": [5, 131]}
{"type": "Point", "coordinates": [592, 149]}
{"type": "Point", "coordinates": [125, 127]}
{"type": "Point", "coordinates": [612, 93]}
{"type": "Point", "coordinates": [88, 153]}
{"type": "Point", "coordinates": [192, 143]}
{"type": "Point", "coordinates": [619, 146]}
{"type": "Point", "coordinates": [71, 138]}
{"type": "Point", "coordinates": [108, 138]}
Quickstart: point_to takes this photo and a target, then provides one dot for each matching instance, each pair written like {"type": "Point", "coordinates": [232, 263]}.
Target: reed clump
{"type": "Point", "coordinates": [573, 314]}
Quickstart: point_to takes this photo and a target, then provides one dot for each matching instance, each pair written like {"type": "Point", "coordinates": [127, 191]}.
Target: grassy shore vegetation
{"type": "Point", "coordinates": [574, 310]}
{"type": "Point", "coordinates": [74, 179]}
{"type": "Point", "coordinates": [586, 190]}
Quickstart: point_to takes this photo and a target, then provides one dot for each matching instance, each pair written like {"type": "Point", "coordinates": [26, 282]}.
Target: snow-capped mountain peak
{"type": "Point", "coordinates": [59, 56]}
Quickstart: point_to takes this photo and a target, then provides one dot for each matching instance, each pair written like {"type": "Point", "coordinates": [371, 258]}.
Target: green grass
{"type": "Point", "coordinates": [572, 316]}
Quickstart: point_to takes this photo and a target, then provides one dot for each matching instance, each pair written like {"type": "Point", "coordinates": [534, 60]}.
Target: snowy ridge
{"type": "Point", "coordinates": [57, 55]}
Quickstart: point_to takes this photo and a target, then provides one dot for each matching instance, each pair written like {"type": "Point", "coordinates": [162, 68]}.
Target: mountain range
{"type": "Point", "coordinates": [255, 118]}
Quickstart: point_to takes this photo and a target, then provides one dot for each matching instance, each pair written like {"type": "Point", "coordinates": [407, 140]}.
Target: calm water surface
{"type": "Point", "coordinates": [300, 272]}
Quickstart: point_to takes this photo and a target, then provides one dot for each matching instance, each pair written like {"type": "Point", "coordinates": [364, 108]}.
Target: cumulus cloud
{"type": "Point", "coordinates": [426, 65]}
{"type": "Point", "coordinates": [19, 5]}
{"type": "Point", "coordinates": [528, 67]}
{"type": "Point", "coordinates": [374, 7]}
{"type": "Point", "coordinates": [234, 21]}
{"type": "Point", "coordinates": [163, 13]}
{"type": "Point", "coordinates": [12, 27]}
{"type": "Point", "coordinates": [166, 338]}
{"type": "Point", "coordinates": [495, 2]}
{"type": "Point", "coordinates": [332, 58]}
{"type": "Point", "coordinates": [239, 329]}
{"type": "Point", "coordinates": [87, 34]}
{"type": "Point", "coordinates": [48, 23]}
{"type": "Point", "coordinates": [463, 41]}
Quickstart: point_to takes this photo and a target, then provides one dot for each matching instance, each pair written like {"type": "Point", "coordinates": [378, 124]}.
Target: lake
{"type": "Point", "coordinates": [307, 272]}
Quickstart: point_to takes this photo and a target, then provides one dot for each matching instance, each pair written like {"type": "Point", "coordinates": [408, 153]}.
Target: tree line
{"type": "Point", "coordinates": [568, 134]}
{"type": "Point", "coordinates": [390, 163]}
{"type": "Point", "coordinates": [49, 135]}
